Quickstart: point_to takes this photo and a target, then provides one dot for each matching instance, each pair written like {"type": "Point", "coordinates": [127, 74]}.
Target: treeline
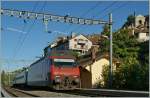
{"type": "Point", "coordinates": [7, 77]}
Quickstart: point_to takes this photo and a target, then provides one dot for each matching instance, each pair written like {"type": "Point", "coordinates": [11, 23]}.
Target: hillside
{"type": "Point", "coordinates": [133, 72]}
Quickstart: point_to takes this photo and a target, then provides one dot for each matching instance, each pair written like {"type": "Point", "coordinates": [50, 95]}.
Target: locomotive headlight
{"type": "Point", "coordinates": [57, 79]}
{"type": "Point", "coordinates": [76, 79]}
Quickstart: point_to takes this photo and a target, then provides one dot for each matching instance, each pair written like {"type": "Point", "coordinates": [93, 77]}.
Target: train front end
{"type": "Point", "coordinates": [65, 73]}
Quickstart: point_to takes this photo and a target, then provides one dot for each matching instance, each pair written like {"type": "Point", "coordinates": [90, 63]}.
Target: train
{"type": "Point", "coordinates": [58, 71]}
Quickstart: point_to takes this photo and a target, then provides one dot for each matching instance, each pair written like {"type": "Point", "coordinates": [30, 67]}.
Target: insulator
{"type": "Point", "coordinates": [46, 23]}
{"type": "Point", "coordinates": [36, 15]}
{"type": "Point", "coordinates": [20, 14]}
{"type": "Point", "coordinates": [28, 15]}
{"type": "Point", "coordinates": [2, 11]}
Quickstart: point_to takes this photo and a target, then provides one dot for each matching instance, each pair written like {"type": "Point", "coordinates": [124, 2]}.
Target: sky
{"type": "Point", "coordinates": [22, 42]}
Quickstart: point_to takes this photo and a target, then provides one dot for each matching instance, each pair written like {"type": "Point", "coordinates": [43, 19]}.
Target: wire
{"type": "Point", "coordinates": [79, 27]}
{"type": "Point", "coordinates": [30, 28]}
{"type": "Point", "coordinates": [21, 36]}
{"type": "Point", "coordinates": [113, 10]}
{"type": "Point", "coordinates": [92, 8]}
{"type": "Point", "coordinates": [103, 10]}
{"type": "Point", "coordinates": [116, 9]}
{"type": "Point", "coordinates": [28, 31]}
{"type": "Point", "coordinates": [84, 14]}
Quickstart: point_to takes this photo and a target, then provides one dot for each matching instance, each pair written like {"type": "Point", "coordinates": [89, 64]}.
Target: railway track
{"type": "Point", "coordinates": [18, 93]}
{"type": "Point", "coordinates": [46, 92]}
{"type": "Point", "coordinates": [114, 93]}
{"type": "Point", "coordinates": [38, 92]}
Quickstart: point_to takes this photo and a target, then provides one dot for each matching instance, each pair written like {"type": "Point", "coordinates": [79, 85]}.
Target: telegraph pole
{"type": "Point", "coordinates": [111, 65]}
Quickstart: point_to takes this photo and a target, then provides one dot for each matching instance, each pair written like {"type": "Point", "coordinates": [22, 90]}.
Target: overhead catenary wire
{"type": "Point", "coordinates": [28, 31]}
{"type": "Point", "coordinates": [111, 11]}
{"type": "Point", "coordinates": [117, 8]}
{"type": "Point", "coordinates": [30, 28]}
{"type": "Point", "coordinates": [103, 10]}
{"type": "Point", "coordinates": [91, 9]}
{"type": "Point", "coordinates": [87, 12]}
{"type": "Point", "coordinates": [16, 49]}
{"type": "Point", "coordinates": [21, 36]}
{"type": "Point", "coordinates": [27, 34]}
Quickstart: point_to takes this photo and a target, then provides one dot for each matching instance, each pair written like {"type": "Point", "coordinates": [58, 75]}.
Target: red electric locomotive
{"type": "Point", "coordinates": [58, 70]}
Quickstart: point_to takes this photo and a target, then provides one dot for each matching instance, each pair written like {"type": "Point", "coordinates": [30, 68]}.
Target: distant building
{"type": "Point", "coordinates": [139, 20]}
{"type": "Point", "coordinates": [78, 43]}
{"type": "Point", "coordinates": [140, 28]}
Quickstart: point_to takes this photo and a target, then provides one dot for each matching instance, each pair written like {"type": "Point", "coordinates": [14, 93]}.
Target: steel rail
{"type": "Point", "coordinates": [15, 95]}
{"type": "Point", "coordinates": [115, 93]}
{"type": "Point", "coordinates": [4, 93]}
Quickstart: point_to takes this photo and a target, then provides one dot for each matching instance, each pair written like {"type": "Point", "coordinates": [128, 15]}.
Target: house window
{"type": "Point", "coordinates": [140, 22]}
{"type": "Point", "coordinates": [75, 45]}
{"type": "Point", "coordinates": [75, 39]}
{"type": "Point", "coordinates": [147, 34]}
{"type": "Point", "coordinates": [80, 39]}
{"type": "Point", "coordinates": [82, 46]}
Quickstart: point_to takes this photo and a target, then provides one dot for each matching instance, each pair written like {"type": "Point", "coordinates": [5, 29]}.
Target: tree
{"type": "Point", "coordinates": [133, 72]}
{"type": "Point", "coordinates": [106, 30]}
{"type": "Point", "coordinates": [130, 21]}
{"type": "Point", "coordinates": [3, 77]}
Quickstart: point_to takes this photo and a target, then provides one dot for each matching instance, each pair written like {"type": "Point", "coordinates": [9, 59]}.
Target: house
{"type": "Point", "coordinates": [91, 71]}
{"type": "Point", "coordinates": [95, 39]}
{"type": "Point", "coordinates": [78, 43]}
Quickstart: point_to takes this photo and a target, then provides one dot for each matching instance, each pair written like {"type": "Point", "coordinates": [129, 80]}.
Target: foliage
{"type": "Point", "coordinates": [133, 73]}
{"type": "Point", "coordinates": [130, 21]}
{"type": "Point", "coordinates": [74, 53]}
{"type": "Point", "coordinates": [3, 77]}
{"type": "Point", "coordinates": [7, 77]}
{"type": "Point", "coordinates": [105, 75]}
{"type": "Point", "coordinates": [105, 30]}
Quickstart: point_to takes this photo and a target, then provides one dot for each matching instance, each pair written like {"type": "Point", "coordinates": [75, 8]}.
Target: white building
{"type": "Point", "coordinates": [77, 43]}
{"type": "Point", "coordinates": [139, 20]}
{"type": "Point", "coordinates": [141, 28]}
{"type": "Point", "coordinates": [80, 43]}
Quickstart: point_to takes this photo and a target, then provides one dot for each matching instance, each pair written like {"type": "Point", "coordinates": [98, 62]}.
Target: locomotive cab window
{"type": "Point", "coordinates": [64, 62]}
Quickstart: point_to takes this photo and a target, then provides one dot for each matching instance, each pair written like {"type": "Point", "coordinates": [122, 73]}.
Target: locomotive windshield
{"type": "Point", "coordinates": [64, 62]}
